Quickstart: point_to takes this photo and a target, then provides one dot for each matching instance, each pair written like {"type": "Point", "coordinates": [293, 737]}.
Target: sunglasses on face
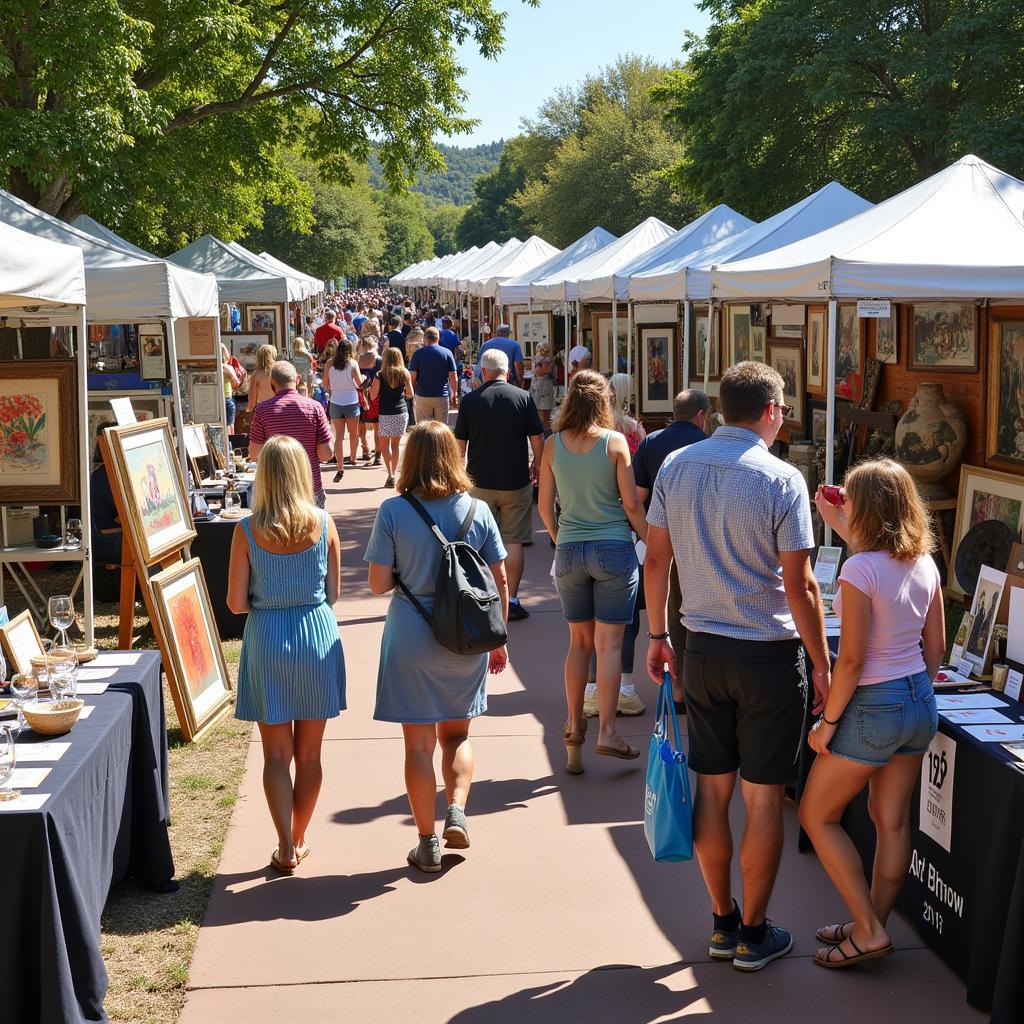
{"type": "Point", "coordinates": [786, 410]}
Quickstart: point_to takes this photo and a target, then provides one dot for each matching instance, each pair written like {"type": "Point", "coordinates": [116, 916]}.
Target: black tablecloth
{"type": "Point", "coordinates": [106, 818]}
{"type": "Point", "coordinates": [212, 547]}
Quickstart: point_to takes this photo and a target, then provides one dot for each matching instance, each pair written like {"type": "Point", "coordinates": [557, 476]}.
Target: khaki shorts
{"type": "Point", "coordinates": [512, 511]}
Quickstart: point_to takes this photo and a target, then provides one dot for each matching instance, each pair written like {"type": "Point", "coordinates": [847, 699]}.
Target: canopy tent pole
{"type": "Point", "coordinates": [179, 422]}
{"type": "Point", "coordinates": [629, 346]}
{"type": "Point", "coordinates": [830, 409]}
{"type": "Point", "coordinates": [579, 324]}
{"type": "Point", "coordinates": [614, 360]}
{"type": "Point", "coordinates": [568, 329]}
{"type": "Point", "coordinates": [686, 342]}
{"type": "Point", "coordinates": [85, 471]}
{"type": "Point", "coordinates": [712, 341]}
{"type": "Point", "coordinates": [220, 381]}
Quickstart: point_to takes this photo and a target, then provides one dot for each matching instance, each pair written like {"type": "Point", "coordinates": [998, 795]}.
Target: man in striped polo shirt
{"type": "Point", "coordinates": [296, 416]}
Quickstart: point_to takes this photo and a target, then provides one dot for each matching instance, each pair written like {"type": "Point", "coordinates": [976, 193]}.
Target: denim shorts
{"type": "Point", "coordinates": [597, 580]}
{"type": "Point", "coordinates": [343, 412]}
{"type": "Point", "coordinates": [898, 716]}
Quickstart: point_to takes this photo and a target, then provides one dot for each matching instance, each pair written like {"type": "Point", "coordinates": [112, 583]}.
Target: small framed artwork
{"type": "Point", "coordinates": [788, 360]}
{"type": "Point", "coordinates": [152, 352]}
{"type": "Point", "coordinates": [985, 494]}
{"type": "Point", "coordinates": [746, 338]}
{"type": "Point", "coordinates": [657, 343]}
{"type": "Point", "coordinates": [218, 444]}
{"type": "Point", "coordinates": [198, 340]}
{"type": "Point", "coordinates": [190, 643]}
{"type": "Point", "coordinates": [886, 350]}
{"type": "Point", "coordinates": [265, 318]}
{"type": "Point", "coordinates": [1006, 394]}
{"type": "Point", "coordinates": [147, 476]}
{"type": "Point", "coordinates": [38, 432]}
{"type": "Point", "coordinates": [943, 336]}
{"type": "Point", "coordinates": [606, 359]}
{"type": "Point", "coordinates": [532, 329]}
{"type": "Point", "coordinates": [987, 598]}
{"type": "Point", "coordinates": [205, 398]}
{"type": "Point", "coordinates": [700, 340]}
{"type": "Point", "coordinates": [21, 642]}
{"type": "Point", "coordinates": [849, 354]}
{"type": "Point", "coordinates": [819, 425]}
{"type": "Point", "coordinates": [817, 383]}
{"type": "Point", "coordinates": [245, 346]}
{"type": "Point", "coordinates": [787, 331]}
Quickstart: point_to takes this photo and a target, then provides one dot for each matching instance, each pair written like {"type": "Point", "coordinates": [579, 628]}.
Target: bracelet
{"type": "Point", "coordinates": [827, 722]}
{"type": "Point", "coordinates": [657, 636]}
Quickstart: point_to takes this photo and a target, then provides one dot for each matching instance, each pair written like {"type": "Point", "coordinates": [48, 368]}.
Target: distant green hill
{"type": "Point", "coordinates": [455, 185]}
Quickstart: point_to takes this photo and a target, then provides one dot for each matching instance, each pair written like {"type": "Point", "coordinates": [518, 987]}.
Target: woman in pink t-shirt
{"type": "Point", "coordinates": [880, 714]}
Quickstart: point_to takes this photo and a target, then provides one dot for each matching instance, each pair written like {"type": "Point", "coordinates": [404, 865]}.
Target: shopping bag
{"type": "Point", "coordinates": [668, 812]}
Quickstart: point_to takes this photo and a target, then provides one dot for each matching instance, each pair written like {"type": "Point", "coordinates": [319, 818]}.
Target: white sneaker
{"type": "Point", "coordinates": [590, 709]}
{"type": "Point", "coordinates": [630, 704]}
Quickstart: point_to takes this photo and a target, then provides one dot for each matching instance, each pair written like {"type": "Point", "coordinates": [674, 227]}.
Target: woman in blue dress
{"type": "Point", "coordinates": [431, 691]}
{"type": "Point", "coordinates": [285, 571]}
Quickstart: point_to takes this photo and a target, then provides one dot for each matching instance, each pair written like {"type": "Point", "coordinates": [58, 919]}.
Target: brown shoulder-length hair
{"type": "Point", "coordinates": [886, 512]}
{"type": "Point", "coordinates": [587, 404]}
{"type": "Point", "coordinates": [432, 466]}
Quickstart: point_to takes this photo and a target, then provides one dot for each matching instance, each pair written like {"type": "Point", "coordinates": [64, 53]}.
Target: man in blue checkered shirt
{"type": "Point", "coordinates": [737, 520]}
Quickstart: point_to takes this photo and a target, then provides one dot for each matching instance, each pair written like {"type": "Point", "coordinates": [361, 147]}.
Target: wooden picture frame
{"type": "Point", "coordinates": [984, 494]}
{"type": "Point", "coordinates": [152, 352]}
{"type": "Point", "coordinates": [787, 359]}
{"type": "Point", "coordinates": [39, 432]}
{"type": "Point", "coordinates": [1004, 442]}
{"type": "Point", "coordinates": [700, 338]}
{"type": "Point", "coordinates": [190, 644]}
{"type": "Point", "coordinates": [657, 356]}
{"type": "Point", "coordinates": [21, 642]}
{"type": "Point", "coordinates": [817, 352]}
{"type": "Point", "coordinates": [747, 339]}
{"type": "Point", "coordinates": [147, 478]}
{"type": "Point", "coordinates": [601, 343]}
{"type": "Point", "coordinates": [850, 355]}
{"type": "Point", "coordinates": [196, 338]}
{"type": "Point", "coordinates": [267, 318]}
{"type": "Point", "coordinates": [532, 329]}
{"type": "Point", "coordinates": [943, 337]}
{"type": "Point", "coordinates": [887, 347]}
{"type": "Point", "coordinates": [245, 344]}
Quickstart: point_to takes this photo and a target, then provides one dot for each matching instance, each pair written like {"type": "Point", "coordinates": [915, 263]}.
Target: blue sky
{"type": "Point", "coordinates": [560, 43]}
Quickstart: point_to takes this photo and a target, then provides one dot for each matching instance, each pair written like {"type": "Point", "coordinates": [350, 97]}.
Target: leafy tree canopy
{"type": "Point", "coordinates": [443, 222]}
{"type": "Point", "coordinates": [164, 118]}
{"type": "Point", "coordinates": [407, 239]}
{"type": "Point", "coordinates": [454, 184]}
{"type": "Point", "coordinates": [781, 96]}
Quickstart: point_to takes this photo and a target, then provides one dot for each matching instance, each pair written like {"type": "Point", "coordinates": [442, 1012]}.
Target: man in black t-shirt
{"type": "Point", "coordinates": [395, 338]}
{"type": "Point", "coordinates": [495, 422]}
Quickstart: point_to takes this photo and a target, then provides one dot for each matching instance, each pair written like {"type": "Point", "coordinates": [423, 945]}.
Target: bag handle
{"type": "Point", "coordinates": [666, 709]}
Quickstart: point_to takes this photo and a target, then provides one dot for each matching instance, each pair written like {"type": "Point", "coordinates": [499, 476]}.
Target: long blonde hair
{"type": "Point", "coordinates": [283, 506]}
{"type": "Point", "coordinates": [886, 512]}
{"type": "Point", "coordinates": [393, 369]}
{"type": "Point", "coordinates": [266, 356]}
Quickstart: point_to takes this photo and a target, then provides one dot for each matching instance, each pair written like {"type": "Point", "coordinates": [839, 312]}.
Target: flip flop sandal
{"type": "Point", "coordinates": [833, 934]}
{"type": "Point", "coordinates": [848, 961]}
{"type": "Point", "coordinates": [629, 754]}
{"type": "Point", "coordinates": [278, 865]}
{"type": "Point", "coordinates": [301, 853]}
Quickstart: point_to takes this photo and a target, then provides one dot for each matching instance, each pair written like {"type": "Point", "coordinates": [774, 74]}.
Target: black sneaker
{"type": "Point", "coordinates": [516, 612]}
{"type": "Point", "coordinates": [752, 956]}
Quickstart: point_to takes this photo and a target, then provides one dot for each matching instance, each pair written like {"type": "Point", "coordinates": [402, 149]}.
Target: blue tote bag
{"type": "Point", "coordinates": [668, 812]}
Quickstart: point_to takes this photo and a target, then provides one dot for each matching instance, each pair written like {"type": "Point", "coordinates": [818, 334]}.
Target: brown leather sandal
{"type": "Point", "coordinates": [574, 749]}
{"type": "Point", "coordinates": [629, 754]}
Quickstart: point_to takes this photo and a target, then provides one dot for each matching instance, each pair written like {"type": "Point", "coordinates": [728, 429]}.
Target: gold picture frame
{"type": "Point", "coordinates": [943, 337]}
{"type": "Point", "coordinates": [747, 339]}
{"type": "Point", "coordinates": [532, 329]}
{"type": "Point", "coordinates": [186, 630]}
{"type": "Point", "coordinates": [146, 475]}
{"type": "Point", "coordinates": [787, 359]}
{"type": "Point", "coordinates": [21, 642]}
{"type": "Point", "coordinates": [817, 353]}
{"type": "Point", "coordinates": [1004, 442]}
{"type": "Point", "coordinates": [601, 352]}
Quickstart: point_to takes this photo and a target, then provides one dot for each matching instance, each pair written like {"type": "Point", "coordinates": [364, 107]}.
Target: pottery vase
{"type": "Point", "coordinates": [930, 438]}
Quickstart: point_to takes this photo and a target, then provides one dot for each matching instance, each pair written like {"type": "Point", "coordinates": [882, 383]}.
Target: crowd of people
{"type": "Point", "coordinates": [713, 534]}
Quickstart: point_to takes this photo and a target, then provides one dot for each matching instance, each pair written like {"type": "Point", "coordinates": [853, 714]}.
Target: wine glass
{"type": "Point", "coordinates": [8, 762]}
{"type": "Point", "coordinates": [74, 533]}
{"type": "Point", "coordinates": [24, 687]}
{"type": "Point", "coordinates": [62, 615]}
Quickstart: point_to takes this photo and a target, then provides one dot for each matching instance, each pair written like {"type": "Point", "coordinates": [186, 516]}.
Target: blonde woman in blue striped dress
{"type": "Point", "coordinates": [285, 571]}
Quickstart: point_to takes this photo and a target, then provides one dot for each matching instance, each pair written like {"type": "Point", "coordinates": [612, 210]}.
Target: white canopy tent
{"type": "Point", "coordinates": [452, 277]}
{"type": "Point", "coordinates": [410, 271]}
{"type": "Point", "coordinates": [530, 254]}
{"type": "Point", "coordinates": [516, 290]}
{"type": "Point", "coordinates": [305, 284]}
{"type": "Point", "coordinates": [93, 227]}
{"type": "Point", "coordinates": [469, 277]}
{"type": "Point", "coordinates": [319, 287]}
{"type": "Point", "coordinates": [441, 277]}
{"type": "Point", "coordinates": [423, 273]}
{"type": "Point", "coordinates": [43, 279]}
{"type": "Point", "coordinates": [238, 277]}
{"type": "Point", "coordinates": [956, 235]}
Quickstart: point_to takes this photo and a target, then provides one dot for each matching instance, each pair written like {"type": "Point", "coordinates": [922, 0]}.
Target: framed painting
{"type": "Point", "coordinates": [788, 331]}
{"type": "Point", "coordinates": [21, 642]}
{"type": "Point", "coordinates": [657, 343]}
{"type": "Point", "coordinates": [245, 346]}
{"type": "Point", "coordinates": [788, 360]}
{"type": "Point", "coordinates": [819, 425]}
{"type": "Point", "coordinates": [1006, 394]}
{"type": "Point", "coordinates": [608, 360]}
{"type": "Point", "coordinates": [152, 353]}
{"type": "Point", "coordinates": [265, 318]}
{"type": "Point", "coordinates": [943, 336]}
{"type": "Point", "coordinates": [193, 658]}
{"type": "Point", "coordinates": [985, 494]}
{"type": "Point", "coordinates": [196, 338]}
{"type": "Point", "coordinates": [38, 432]}
{"type": "Point", "coordinates": [205, 398]}
{"type": "Point", "coordinates": [886, 349]}
{"type": "Point", "coordinates": [100, 415]}
{"type": "Point", "coordinates": [817, 383]}
{"type": "Point", "coordinates": [532, 329]}
{"type": "Point", "coordinates": [746, 338]}
{"type": "Point", "coordinates": [849, 354]}
{"type": "Point", "coordinates": [218, 444]}
{"type": "Point", "coordinates": [700, 341]}
{"type": "Point", "coordinates": [147, 476]}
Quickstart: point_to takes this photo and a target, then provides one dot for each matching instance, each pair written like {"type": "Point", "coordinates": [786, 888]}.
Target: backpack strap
{"type": "Point", "coordinates": [467, 523]}
{"type": "Point", "coordinates": [425, 516]}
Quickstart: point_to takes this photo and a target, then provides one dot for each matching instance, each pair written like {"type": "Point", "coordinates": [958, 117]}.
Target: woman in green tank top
{"type": "Point", "coordinates": [587, 462]}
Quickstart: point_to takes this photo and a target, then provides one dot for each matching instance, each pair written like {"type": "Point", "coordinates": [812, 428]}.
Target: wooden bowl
{"type": "Point", "coordinates": [52, 717]}
{"type": "Point", "coordinates": [84, 653]}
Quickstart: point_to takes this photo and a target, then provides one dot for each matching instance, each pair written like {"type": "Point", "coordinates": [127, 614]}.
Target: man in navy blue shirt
{"type": "Point", "coordinates": [436, 388]}
{"type": "Point", "coordinates": [504, 343]}
{"type": "Point", "coordinates": [395, 338]}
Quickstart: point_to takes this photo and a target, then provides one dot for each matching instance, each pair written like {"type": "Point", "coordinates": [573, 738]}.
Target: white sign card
{"type": "Point", "coordinates": [961, 701]}
{"type": "Point", "coordinates": [826, 569]}
{"type": "Point", "coordinates": [1013, 684]}
{"type": "Point", "coordinates": [1016, 749]}
{"type": "Point", "coordinates": [874, 309]}
{"type": "Point", "coordinates": [48, 751]}
{"type": "Point", "coordinates": [1015, 626]}
{"type": "Point", "coordinates": [977, 716]}
{"type": "Point", "coordinates": [123, 411]}
{"type": "Point", "coordinates": [996, 733]}
{"type": "Point", "coordinates": [936, 810]}
{"type": "Point", "coordinates": [25, 802]}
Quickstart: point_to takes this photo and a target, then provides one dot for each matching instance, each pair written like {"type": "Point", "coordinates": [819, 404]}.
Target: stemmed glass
{"type": "Point", "coordinates": [8, 762]}
{"type": "Point", "coordinates": [23, 687]}
{"type": "Point", "coordinates": [62, 615]}
{"type": "Point", "coordinates": [74, 533]}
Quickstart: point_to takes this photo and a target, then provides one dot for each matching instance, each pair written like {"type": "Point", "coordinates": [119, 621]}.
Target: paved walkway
{"type": "Point", "coordinates": [555, 914]}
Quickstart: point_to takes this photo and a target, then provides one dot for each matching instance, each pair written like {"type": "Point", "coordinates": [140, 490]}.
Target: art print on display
{"type": "Point", "coordinates": [849, 354]}
{"type": "Point", "coordinates": [206, 398]}
{"type": "Point", "coordinates": [885, 340]}
{"type": "Point", "coordinates": [21, 643]}
{"type": "Point", "coordinates": [264, 318]}
{"type": "Point", "coordinates": [985, 494]}
{"type": "Point", "coordinates": [38, 432]}
{"type": "Point", "coordinates": [788, 361]}
{"type": "Point", "coordinates": [700, 341]}
{"type": "Point", "coordinates": [100, 415]}
{"type": "Point", "coordinates": [987, 597]}
{"type": "Point", "coordinates": [200, 339]}
{"type": "Point", "coordinates": [943, 337]}
{"type": "Point", "coordinates": [191, 644]}
{"type": "Point", "coordinates": [1006, 394]}
{"type": "Point", "coordinates": [152, 354]}
{"type": "Point", "coordinates": [607, 360]}
{"type": "Point", "coordinates": [788, 331]}
{"type": "Point", "coordinates": [152, 489]}
{"type": "Point", "coordinates": [532, 329]}
{"type": "Point", "coordinates": [245, 346]}
{"type": "Point", "coordinates": [656, 346]}
{"type": "Point", "coordinates": [746, 339]}
{"type": "Point", "coordinates": [816, 381]}
{"type": "Point", "coordinates": [819, 425]}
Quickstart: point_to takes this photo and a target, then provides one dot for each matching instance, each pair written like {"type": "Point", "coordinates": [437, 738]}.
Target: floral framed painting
{"type": "Point", "coordinates": [657, 342]}
{"type": "Point", "coordinates": [193, 658]}
{"type": "Point", "coordinates": [788, 360]}
{"type": "Point", "coordinates": [746, 338]}
{"type": "Point", "coordinates": [817, 382]}
{"type": "Point", "coordinates": [1006, 394]}
{"type": "Point", "coordinates": [38, 432]}
{"type": "Point", "coordinates": [146, 476]}
{"type": "Point", "coordinates": [943, 336]}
